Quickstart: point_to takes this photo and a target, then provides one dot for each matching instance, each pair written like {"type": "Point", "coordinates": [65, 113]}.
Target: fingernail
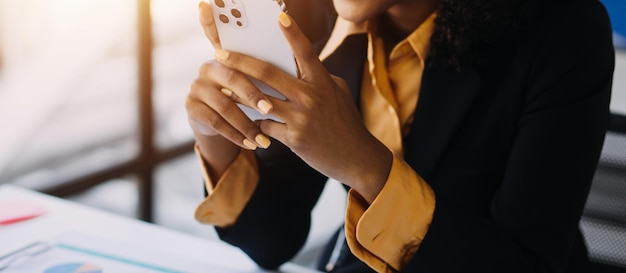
{"type": "Point", "coordinates": [221, 55]}
{"type": "Point", "coordinates": [226, 92]}
{"type": "Point", "coordinates": [264, 106]}
{"type": "Point", "coordinates": [249, 144]}
{"type": "Point", "coordinates": [263, 141]}
{"type": "Point", "coordinates": [284, 20]}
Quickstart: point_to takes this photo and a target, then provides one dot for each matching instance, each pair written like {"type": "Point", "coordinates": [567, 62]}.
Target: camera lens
{"type": "Point", "coordinates": [236, 13]}
{"type": "Point", "coordinates": [220, 3]}
{"type": "Point", "coordinates": [224, 19]}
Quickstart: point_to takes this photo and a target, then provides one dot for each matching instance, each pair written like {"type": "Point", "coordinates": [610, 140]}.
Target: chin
{"type": "Point", "coordinates": [359, 11]}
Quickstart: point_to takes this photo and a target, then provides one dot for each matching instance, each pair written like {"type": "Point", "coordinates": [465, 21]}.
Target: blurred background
{"type": "Point", "coordinates": [92, 99]}
{"type": "Point", "coordinates": [72, 99]}
{"type": "Point", "coordinates": [92, 109]}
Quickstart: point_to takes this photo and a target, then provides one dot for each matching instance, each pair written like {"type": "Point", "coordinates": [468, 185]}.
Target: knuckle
{"type": "Point", "coordinates": [225, 107]}
{"type": "Point", "coordinates": [195, 87]}
{"type": "Point", "coordinates": [214, 121]}
{"type": "Point", "coordinates": [266, 71]}
{"type": "Point", "coordinates": [233, 135]}
{"type": "Point", "coordinates": [194, 106]}
{"type": "Point", "coordinates": [306, 101]}
{"type": "Point", "coordinates": [205, 69]}
{"type": "Point", "coordinates": [301, 118]}
{"type": "Point", "coordinates": [230, 76]}
{"type": "Point", "coordinates": [251, 130]}
{"type": "Point", "coordinates": [297, 141]}
{"type": "Point", "coordinates": [222, 105]}
{"type": "Point", "coordinates": [252, 96]}
{"type": "Point", "coordinates": [233, 59]}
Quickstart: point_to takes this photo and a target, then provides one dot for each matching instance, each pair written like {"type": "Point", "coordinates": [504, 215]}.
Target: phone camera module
{"type": "Point", "coordinates": [224, 19]}
{"type": "Point", "coordinates": [236, 13]}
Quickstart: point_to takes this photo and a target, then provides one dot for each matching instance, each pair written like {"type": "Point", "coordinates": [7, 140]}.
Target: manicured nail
{"type": "Point", "coordinates": [264, 106]}
{"type": "Point", "coordinates": [221, 55]}
{"type": "Point", "coordinates": [249, 144]}
{"type": "Point", "coordinates": [284, 20]}
{"type": "Point", "coordinates": [263, 141]}
{"type": "Point", "coordinates": [226, 92]}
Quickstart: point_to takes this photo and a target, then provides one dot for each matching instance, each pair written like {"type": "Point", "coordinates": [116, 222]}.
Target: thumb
{"type": "Point", "coordinates": [273, 129]}
{"type": "Point", "coordinates": [208, 24]}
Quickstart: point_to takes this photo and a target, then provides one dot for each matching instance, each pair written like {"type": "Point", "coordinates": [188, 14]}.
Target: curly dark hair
{"type": "Point", "coordinates": [462, 25]}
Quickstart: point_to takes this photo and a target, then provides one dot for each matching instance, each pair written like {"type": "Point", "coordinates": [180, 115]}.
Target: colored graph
{"type": "Point", "coordinates": [74, 268]}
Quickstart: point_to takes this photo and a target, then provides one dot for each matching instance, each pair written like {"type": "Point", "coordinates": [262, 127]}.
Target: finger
{"type": "Point", "coordinates": [234, 79]}
{"type": "Point", "coordinates": [234, 97]}
{"type": "Point", "coordinates": [201, 128]}
{"type": "Point", "coordinates": [203, 116]}
{"type": "Point", "coordinates": [274, 129]}
{"type": "Point", "coordinates": [283, 109]}
{"type": "Point", "coordinates": [229, 93]}
{"type": "Point", "coordinates": [208, 24]}
{"type": "Point", "coordinates": [307, 60]}
{"type": "Point", "coordinates": [265, 72]}
{"type": "Point", "coordinates": [236, 86]}
{"type": "Point", "coordinates": [212, 109]}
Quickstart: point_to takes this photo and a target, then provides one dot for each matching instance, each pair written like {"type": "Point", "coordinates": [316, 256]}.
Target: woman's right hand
{"type": "Point", "coordinates": [220, 127]}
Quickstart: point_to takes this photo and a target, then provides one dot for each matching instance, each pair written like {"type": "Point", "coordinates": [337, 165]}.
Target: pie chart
{"type": "Point", "coordinates": [74, 268]}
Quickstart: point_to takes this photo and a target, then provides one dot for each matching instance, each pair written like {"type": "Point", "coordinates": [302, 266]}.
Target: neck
{"type": "Point", "coordinates": [403, 18]}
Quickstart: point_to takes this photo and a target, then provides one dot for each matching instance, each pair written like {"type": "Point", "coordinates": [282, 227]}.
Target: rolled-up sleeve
{"type": "Point", "coordinates": [386, 233]}
{"type": "Point", "coordinates": [230, 194]}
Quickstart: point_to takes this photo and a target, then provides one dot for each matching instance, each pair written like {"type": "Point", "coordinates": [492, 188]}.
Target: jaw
{"type": "Point", "coordinates": [359, 11]}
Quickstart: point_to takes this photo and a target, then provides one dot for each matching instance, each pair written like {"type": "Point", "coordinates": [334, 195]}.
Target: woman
{"type": "Point", "coordinates": [467, 132]}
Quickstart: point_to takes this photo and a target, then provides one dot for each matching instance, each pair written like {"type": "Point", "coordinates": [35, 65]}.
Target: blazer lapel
{"type": "Point", "coordinates": [445, 97]}
{"type": "Point", "coordinates": [347, 62]}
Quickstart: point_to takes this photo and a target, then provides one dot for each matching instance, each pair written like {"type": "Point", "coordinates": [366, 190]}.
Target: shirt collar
{"type": "Point", "coordinates": [419, 39]}
{"type": "Point", "coordinates": [341, 31]}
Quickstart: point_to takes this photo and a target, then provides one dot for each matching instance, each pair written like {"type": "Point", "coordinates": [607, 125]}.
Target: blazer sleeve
{"type": "Point", "coordinates": [536, 209]}
{"type": "Point", "coordinates": [275, 222]}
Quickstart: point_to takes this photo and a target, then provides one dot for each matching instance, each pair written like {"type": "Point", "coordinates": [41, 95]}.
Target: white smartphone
{"type": "Point", "coordinates": [251, 27]}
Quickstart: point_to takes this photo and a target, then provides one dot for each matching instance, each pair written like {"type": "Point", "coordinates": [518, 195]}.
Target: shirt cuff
{"type": "Point", "coordinates": [387, 233]}
{"type": "Point", "coordinates": [228, 197]}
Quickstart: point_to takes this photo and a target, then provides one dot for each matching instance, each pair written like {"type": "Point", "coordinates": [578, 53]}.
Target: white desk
{"type": "Point", "coordinates": [63, 216]}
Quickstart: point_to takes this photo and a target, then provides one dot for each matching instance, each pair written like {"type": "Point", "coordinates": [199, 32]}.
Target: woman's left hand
{"type": "Point", "coordinates": [322, 124]}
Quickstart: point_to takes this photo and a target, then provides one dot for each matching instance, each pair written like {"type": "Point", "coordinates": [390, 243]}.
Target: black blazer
{"type": "Point", "coordinates": [509, 146]}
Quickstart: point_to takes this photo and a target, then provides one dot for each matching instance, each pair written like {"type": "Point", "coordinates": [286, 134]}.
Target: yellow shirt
{"type": "Point", "coordinates": [386, 233]}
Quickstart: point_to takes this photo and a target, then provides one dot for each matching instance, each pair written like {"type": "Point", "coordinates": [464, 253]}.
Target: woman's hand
{"type": "Point", "coordinates": [220, 127]}
{"type": "Point", "coordinates": [321, 122]}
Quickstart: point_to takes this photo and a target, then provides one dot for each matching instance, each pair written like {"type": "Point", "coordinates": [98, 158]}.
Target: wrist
{"type": "Point", "coordinates": [373, 171]}
{"type": "Point", "coordinates": [217, 152]}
